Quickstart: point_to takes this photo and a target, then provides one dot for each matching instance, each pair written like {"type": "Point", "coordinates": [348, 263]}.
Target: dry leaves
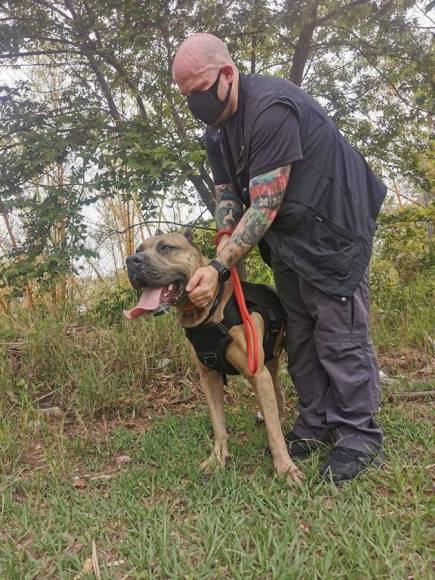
{"type": "Point", "coordinates": [79, 483]}
{"type": "Point", "coordinates": [88, 567]}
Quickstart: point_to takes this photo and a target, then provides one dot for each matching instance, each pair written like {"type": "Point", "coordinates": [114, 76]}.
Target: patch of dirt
{"type": "Point", "coordinates": [415, 363]}
{"type": "Point", "coordinates": [419, 410]}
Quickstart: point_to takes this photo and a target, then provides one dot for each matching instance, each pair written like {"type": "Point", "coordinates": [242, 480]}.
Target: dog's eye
{"type": "Point", "coordinates": [167, 248]}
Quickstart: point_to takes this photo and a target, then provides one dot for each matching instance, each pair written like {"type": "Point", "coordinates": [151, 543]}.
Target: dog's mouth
{"type": "Point", "coordinates": [154, 300]}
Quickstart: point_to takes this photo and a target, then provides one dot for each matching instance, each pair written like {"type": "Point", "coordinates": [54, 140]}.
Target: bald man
{"type": "Point", "coordinates": [287, 180]}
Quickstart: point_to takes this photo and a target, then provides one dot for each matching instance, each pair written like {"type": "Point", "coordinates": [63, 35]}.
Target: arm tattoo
{"type": "Point", "coordinates": [229, 208]}
{"type": "Point", "coordinates": [266, 192]}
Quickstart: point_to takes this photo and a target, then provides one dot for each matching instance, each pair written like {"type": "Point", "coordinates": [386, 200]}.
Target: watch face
{"type": "Point", "coordinates": [225, 274]}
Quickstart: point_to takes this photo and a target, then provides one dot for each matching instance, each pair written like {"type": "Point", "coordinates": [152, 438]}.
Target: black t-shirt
{"type": "Point", "coordinates": [275, 142]}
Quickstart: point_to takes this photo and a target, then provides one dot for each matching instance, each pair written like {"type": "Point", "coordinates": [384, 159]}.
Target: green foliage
{"type": "Point", "coordinates": [401, 278]}
{"type": "Point", "coordinates": [204, 237]}
{"type": "Point", "coordinates": [404, 241]}
{"type": "Point", "coordinates": [402, 313]}
{"type": "Point", "coordinates": [101, 107]}
{"type": "Point", "coordinates": [257, 270]}
{"type": "Point", "coordinates": [109, 301]}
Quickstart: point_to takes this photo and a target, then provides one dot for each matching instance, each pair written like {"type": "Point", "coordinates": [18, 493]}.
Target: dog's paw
{"type": "Point", "coordinates": [294, 475]}
{"type": "Point", "coordinates": [291, 473]}
{"type": "Point", "coordinates": [215, 462]}
{"type": "Point", "coordinates": [212, 464]}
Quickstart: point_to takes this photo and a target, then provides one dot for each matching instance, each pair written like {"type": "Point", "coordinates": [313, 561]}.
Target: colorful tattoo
{"type": "Point", "coordinates": [229, 208]}
{"type": "Point", "coordinates": [266, 192]}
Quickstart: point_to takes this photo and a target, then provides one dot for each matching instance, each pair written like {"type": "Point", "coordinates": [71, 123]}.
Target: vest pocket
{"type": "Point", "coordinates": [321, 249]}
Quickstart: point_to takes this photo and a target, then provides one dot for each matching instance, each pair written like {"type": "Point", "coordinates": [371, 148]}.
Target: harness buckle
{"type": "Point", "coordinates": [210, 359]}
{"type": "Point", "coordinates": [274, 324]}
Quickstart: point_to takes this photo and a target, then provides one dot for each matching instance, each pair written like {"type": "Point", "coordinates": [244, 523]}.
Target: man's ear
{"type": "Point", "coordinates": [228, 71]}
{"type": "Point", "coordinates": [188, 235]}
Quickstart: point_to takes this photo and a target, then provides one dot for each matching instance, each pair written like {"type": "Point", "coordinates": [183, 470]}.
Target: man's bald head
{"type": "Point", "coordinates": [206, 74]}
{"type": "Point", "coordinates": [198, 57]}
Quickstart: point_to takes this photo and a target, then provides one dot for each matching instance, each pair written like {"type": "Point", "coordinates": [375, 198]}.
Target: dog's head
{"type": "Point", "coordinates": [160, 269]}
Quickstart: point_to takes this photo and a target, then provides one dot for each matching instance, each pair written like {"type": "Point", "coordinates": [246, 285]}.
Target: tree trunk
{"type": "Point", "coordinates": [28, 294]}
{"type": "Point", "coordinates": [303, 46]}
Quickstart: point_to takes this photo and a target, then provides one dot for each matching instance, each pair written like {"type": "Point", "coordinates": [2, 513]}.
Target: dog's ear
{"type": "Point", "coordinates": [188, 235]}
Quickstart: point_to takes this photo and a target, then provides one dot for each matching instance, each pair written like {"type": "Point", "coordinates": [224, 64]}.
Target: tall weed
{"type": "Point", "coordinates": [73, 362]}
{"type": "Point", "coordinates": [402, 314]}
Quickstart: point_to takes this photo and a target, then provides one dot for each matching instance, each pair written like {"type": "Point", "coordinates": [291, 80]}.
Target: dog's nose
{"type": "Point", "coordinates": [134, 260]}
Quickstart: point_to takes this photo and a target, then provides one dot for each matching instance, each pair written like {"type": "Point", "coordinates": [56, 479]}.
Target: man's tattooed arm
{"type": "Point", "coordinates": [229, 208]}
{"type": "Point", "coordinates": [266, 192]}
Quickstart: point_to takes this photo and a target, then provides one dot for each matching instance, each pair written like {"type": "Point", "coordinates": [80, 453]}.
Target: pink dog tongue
{"type": "Point", "coordinates": [149, 300]}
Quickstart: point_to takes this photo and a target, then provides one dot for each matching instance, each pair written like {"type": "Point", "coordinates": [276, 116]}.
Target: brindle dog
{"type": "Point", "coordinates": [161, 267]}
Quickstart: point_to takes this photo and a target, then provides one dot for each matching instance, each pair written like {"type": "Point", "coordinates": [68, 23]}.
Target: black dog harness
{"type": "Point", "coordinates": [211, 339]}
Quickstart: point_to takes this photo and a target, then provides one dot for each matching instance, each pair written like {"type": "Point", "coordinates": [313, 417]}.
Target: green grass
{"type": "Point", "coordinates": [128, 389]}
{"type": "Point", "coordinates": [159, 516]}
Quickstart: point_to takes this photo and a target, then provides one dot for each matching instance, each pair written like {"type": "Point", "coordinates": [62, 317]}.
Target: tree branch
{"type": "Point", "coordinates": [386, 78]}
{"type": "Point", "coordinates": [302, 49]}
{"type": "Point", "coordinates": [19, 54]}
{"type": "Point", "coordinates": [158, 223]}
{"type": "Point", "coordinates": [84, 36]}
{"type": "Point", "coordinates": [109, 57]}
{"type": "Point", "coordinates": [51, 6]}
{"type": "Point", "coordinates": [340, 10]}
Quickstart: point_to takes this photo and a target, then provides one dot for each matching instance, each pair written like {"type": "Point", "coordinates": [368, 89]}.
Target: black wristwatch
{"type": "Point", "coordinates": [222, 270]}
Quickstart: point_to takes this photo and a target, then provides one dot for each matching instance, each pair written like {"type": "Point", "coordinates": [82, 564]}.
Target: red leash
{"type": "Point", "coordinates": [248, 323]}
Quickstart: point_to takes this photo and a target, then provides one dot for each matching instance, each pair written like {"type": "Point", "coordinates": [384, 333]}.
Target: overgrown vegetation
{"type": "Point", "coordinates": [87, 359]}
{"type": "Point", "coordinates": [104, 428]}
{"type": "Point", "coordinates": [402, 281]}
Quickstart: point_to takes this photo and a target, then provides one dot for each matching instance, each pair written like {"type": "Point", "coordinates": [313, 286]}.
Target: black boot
{"type": "Point", "coordinates": [344, 463]}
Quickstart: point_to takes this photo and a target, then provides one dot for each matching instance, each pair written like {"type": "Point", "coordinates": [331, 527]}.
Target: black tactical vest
{"type": "Point", "coordinates": [325, 226]}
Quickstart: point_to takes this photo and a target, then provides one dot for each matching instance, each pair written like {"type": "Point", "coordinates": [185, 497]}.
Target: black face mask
{"type": "Point", "coordinates": [206, 105]}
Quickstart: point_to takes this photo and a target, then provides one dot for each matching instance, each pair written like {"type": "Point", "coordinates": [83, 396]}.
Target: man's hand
{"type": "Point", "coordinates": [203, 286]}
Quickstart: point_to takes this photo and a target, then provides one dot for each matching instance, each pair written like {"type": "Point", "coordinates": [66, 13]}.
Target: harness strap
{"type": "Point", "coordinates": [215, 304]}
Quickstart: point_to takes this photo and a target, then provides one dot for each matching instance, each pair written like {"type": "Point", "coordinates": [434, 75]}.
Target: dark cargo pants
{"type": "Point", "coordinates": [331, 361]}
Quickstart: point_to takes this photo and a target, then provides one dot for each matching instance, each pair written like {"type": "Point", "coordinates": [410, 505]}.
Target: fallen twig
{"type": "Point", "coordinates": [95, 565]}
{"type": "Point", "coordinates": [411, 395]}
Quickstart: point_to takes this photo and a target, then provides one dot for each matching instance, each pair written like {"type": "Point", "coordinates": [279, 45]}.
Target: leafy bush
{"type": "Point", "coordinates": [403, 314]}
{"type": "Point", "coordinates": [109, 301]}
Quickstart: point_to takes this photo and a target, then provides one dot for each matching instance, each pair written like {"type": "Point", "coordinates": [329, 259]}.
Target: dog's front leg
{"type": "Point", "coordinates": [263, 384]}
{"type": "Point", "coordinates": [212, 385]}
{"type": "Point", "coordinates": [273, 368]}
